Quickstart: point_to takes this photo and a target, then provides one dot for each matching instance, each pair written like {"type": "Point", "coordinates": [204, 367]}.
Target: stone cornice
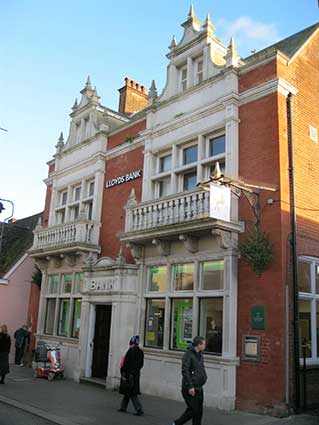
{"type": "Point", "coordinates": [276, 85]}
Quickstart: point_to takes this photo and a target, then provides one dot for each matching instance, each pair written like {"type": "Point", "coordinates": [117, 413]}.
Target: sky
{"type": "Point", "coordinates": [48, 48]}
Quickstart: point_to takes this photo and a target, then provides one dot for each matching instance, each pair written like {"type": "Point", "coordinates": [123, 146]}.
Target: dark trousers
{"type": "Point", "coordinates": [194, 408]}
{"type": "Point", "coordinates": [2, 377]}
{"type": "Point", "coordinates": [135, 400]}
{"type": "Point", "coordinates": [19, 355]}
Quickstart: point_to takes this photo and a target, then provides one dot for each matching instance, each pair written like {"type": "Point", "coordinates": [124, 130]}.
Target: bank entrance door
{"type": "Point", "coordinates": [101, 346]}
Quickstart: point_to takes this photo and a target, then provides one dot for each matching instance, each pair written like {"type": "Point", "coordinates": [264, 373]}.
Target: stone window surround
{"type": "Point", "coordinates": [229, 300]}
{"type": "Point", "coordinates": [59, 296]}
{"type": "Point", "coordinates": [202, 166]}
{"type": "Point", "coordinates": [314, 300]}
{"type": "Point", "coordinates": [85, 198]}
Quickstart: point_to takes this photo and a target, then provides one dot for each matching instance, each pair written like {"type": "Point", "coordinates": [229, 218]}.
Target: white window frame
{"type": "Point", "coordinates": [183, 81]}
{"type": "Point", "coordinates": [198, 73]}
{"type": "Point", "coordinates": [313, 297]}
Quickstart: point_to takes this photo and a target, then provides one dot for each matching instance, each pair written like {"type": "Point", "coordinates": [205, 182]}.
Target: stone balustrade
{"type": "Point", "coordinates": [81, 232]}
{"type": "Point", "coordinates": [165, 211]}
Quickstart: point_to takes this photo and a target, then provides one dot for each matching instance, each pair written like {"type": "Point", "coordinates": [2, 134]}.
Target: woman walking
{"type": "Point", "coordinates": [5, 344]}
{"type": "Point", "coordinates": [131, 366]}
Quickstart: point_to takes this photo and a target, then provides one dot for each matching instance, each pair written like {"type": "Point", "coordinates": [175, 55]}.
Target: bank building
{"type": "Point", "coordinates": [129, 245]}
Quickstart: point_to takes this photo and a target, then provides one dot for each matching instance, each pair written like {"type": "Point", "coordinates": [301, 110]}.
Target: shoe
{"type": "Point", "coordinates": [121, 410]}
{"type": "Point", "coordinates": [1, 382]}
{"type": "Point", "coordinates": [139, 413]}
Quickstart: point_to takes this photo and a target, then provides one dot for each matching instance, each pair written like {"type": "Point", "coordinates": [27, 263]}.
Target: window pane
{"type": "Point", "coordinates": [182, 323]}
{"type": "Point", "coordinates": [64, 198]}
{"type": "Point", "coordinates": [190, 155]}
{"type": "Point", "coordinates": [79, 282]}
{"type": "Point", "coordinates": [305, 326]}
{"type": "Point", "coordinates": [164, 186]}
{"type": "Point", "coordinates": [67, 283]}
{"type": "Point", "coordinates": [213, 275]}
{"type": "Point", "coordinates": [49, 317]}
{"type": "Point", "coordinates": [158, 279]}
{"type": "Point", "coordinates": [91, 189]}
{"type": "Point", "coordinates": [190, 181]}
{"type": "Point", "coordinates": [64, 317]}
{"type": "Point", "coordinates": [184, 277]}
{"type": "Point", "coordinates": [217, 145]}
{"type": "Point", "coordinates": [76, 323]}
{"type": "Point", "coordinates": [304, 274]}
{"type": "Point", "coordinates": [154, 332]}
{"type": "Point", "coordinates": [53, 284]}
{"type": "Point", "coordinates": [317, 278]}
{"type": "Point", "coordinates": [211, 324]}
{"type": "Point", "coordinates": [77, 193]}
{"type": "Point", "coordinates": [76, 212]}
{"type": "Point", "coordinates": [165, 163]}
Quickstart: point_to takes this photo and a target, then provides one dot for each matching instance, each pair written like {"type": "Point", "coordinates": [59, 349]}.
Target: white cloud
{"type": "Point", "coordinates": [248, 34]}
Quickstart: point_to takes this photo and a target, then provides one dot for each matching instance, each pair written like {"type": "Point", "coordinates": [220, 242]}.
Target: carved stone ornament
{"type": "Point", "coordinates": [190, 242]}
{"type": "Point", "coordinates": [70, 259]}
{"type": "Point", "coordinates": [162, 246]}
{"type": "Point", "coordinates": [41, 263]}
{"type": "Point", "coordinates": [121, 260]}
{"type": "Point", "coordinates": [225, 238]}
{"type": "Point", "coordinates": [136, 250]}
{"type": "Point", "coordinates": [55, 261]}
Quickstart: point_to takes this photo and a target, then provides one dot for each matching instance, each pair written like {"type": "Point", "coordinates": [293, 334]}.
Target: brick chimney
{"type": "Point", "coordinates": [133, 97]}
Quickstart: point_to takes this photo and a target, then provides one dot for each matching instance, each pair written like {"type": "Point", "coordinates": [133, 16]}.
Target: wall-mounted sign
{"type": "Point", "coordinates": [251, 347]}
{"type": "Point", "coordinates": [258, 317]}
{"type": "Point", "coordinates": [219, 207]}
{"type": "Point", "coordinates": [101, 285]}
{"type": "Point", "coordinates": [123, 179]}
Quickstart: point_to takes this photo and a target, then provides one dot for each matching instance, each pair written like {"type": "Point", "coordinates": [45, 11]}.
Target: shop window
{"type": "Point", "coordinates": [79, 283]}
{"type": "Point", "coordinates": [211, 323]}
{"type": "Point", "coordinates": [49, 317]}
{"type": "Point", "coordinates": [190, 155]}
{"type": "Point", "coordinates": [165, 163]}
{"type": "Point", "coordinates": [182, 324]}
{"type": "Point", "coordinates": [189, 181]}
{"type": "Point", "coordinates": [53, 284]}
{"type": "Point", "coordinates": [154, 332]}
{"type": "Point", "coordinates": [157, 279]}
{"type": "Point", "coordinates": [76, 321]}
{"type": "Point", "coordinates": [183, 277]}
{"type": "Point", "coordinates": [64, 317]}
{"type": "Point", "coordinates": [164, 186]}
{"type": "Point", "coordinates": [66, 283]}
{"type": "Point", "coordinates": [212, 275]}
{"type": "Point", "coordinates": [305, 327]}
{"type": "Point", "coordinates": [217, 146]}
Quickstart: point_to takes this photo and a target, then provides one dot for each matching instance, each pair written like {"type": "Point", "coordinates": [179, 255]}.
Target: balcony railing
{"type": "Point", "coordinates": [170, 210]}
{"type": "Point", "coordinates": [63, 235]}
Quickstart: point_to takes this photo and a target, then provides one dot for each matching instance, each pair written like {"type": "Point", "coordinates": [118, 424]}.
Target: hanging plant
{"type": "Point", "coordinates": [37, 277]}
{"type": "Point", "coordinates": [256, 249]}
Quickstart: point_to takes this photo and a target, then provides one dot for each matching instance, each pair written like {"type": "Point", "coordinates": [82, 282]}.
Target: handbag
{"type": "Point", "coordinates": [124, 385]}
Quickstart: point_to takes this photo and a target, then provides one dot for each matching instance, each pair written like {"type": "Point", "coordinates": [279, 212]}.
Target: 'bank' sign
{"type": "Point", "coordinates": [122, 179]}
{"type": "Point", "coordinates": [102, 285]}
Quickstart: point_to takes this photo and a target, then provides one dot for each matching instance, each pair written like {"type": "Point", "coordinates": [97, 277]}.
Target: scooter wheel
{"type": "Point", "coordinates": [50, 376]}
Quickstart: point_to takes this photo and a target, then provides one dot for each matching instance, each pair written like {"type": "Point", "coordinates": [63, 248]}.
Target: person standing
{"type": "Point", "coordinates": [5, 344]}
{"type": "Point", "coordinates": [130, 367]}
{"type": "Point", "coordinates": [194, 378]}
{"type": "Point", "coordinates": [22, 337]}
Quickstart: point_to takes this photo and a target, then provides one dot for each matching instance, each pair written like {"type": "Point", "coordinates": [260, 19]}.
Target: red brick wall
{"type": "Point", "coordinates": [133, 97]}
{"type": "Point", "coordinates": [258, 76]}
{"type": "Point", "coordinates": [131, 131]}
{"type": "Point", "coordinates": [115, 199]}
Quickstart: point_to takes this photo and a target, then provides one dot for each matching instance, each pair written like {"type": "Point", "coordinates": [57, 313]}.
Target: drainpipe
{"type": "Point", "coordinates": [293, 242]}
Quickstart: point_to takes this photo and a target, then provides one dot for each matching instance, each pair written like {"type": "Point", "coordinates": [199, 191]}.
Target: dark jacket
{"type": "Point", "coordinates": [133, 363]}
{"type": "Point", "coordinates": [193, 369]}
{"type": "Point", "coordinates": [5, 343]}
{"type": "Point", "coordinates": [22, 336]}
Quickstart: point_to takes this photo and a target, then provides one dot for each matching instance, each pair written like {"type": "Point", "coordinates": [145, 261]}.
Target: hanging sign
{"type": "Point", "coordinates": [123, 179]}
{"type": "Point", "coordinates": [219, 207]}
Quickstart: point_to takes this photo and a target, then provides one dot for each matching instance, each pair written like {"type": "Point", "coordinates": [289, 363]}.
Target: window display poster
{"type": "Point", "coordinates": [184, 324]}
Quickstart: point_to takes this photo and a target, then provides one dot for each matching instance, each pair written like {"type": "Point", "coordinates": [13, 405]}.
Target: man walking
{"type": "Point", "coordinates": [22, 337]}
{"type": "Point", "coordinates": [194, 377]}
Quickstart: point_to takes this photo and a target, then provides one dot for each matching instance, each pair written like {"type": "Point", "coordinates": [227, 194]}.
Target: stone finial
{"type": "Point", "coordinates": [232, 57]}
{"type": "Point", "coordinates": [173, 43]}
{"type": "Point", "coordinates": [132, 201]}
{"type": "Point", "coordinates": [75, 105]}
{"type": "Point", "coordinates": [152, 94]}
{"type": "Point", "coordinates": [191, 13]}
{"type": "Point", "coordinates": [121, 260]}
{"type": "Point", "coordinates": [216, 173]}
{"type": "Point", "coordinates": [88, 82]}
{"type": "Point", "coordinates": [59, 146]}
{"type": "Point", "coordinates": [208, 25]}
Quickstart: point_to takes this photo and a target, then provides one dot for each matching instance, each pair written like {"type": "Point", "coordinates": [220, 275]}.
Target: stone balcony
{"type": "Point", "coordinates": [182, 216]}
{"type": "Point", "coordinates": [81, 235]}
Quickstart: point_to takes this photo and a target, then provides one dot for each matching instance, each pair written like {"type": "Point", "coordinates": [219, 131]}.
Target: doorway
{"type": "Point", "coordinates": [101, 346]}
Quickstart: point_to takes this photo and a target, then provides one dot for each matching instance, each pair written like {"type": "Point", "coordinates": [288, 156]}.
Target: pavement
{"type": "Point", "coordinates": [65, 402]}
